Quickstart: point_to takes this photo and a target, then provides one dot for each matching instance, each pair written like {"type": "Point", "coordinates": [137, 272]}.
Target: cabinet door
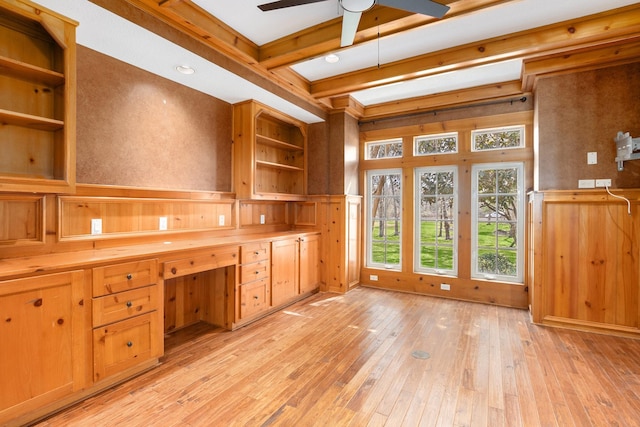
{"type": "Point", "coordinates": [284, 271]}
{"type": "Point", "coordinates": [42, 341]}
{"type": "Point", "coordinates": [309, 263]}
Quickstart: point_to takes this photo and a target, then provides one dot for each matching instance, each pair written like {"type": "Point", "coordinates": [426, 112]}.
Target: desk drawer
{"type": "Point", "coordinates": [253, 252]}
{"type": "Point", "coordinates": [255, 271]}
{"type": "Point", "coordinates": [254, 298]}
{"type": "Point", "coordinates": [219, 257]}
{"type": "Point", "coordinates": [124, 344]}
{"type": "Point", "coordinates": [123, 277]}
{"type": "Point", "coordinates": [112, 308]}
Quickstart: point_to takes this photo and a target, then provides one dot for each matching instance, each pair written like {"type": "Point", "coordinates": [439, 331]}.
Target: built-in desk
{"type": "Point", "coordinates": [75, 323]}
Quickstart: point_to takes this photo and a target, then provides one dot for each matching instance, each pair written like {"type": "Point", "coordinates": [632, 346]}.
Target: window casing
{"type": "Point", "coordinates": [426, 145]}
{"type": "Point", "coordinates": [436, 204]}
{"type": "Point", "coordinates": [506, 137]}
{"type": "Point", "coordinates": [497, 221]}
{"type": "Point", "coordinates": [384, 218]}
{"type": "Point", "coordinates": [387, 149]}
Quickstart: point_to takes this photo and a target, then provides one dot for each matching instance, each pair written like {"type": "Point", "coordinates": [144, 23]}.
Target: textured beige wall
{"type": "Point", "coordinates": [137, 129]}
{"type": "Point", "coordinates": [582, 112]}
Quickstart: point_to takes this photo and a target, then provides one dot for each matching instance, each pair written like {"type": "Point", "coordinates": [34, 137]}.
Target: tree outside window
{"type": "Point", "coordinates": [436, 213]}
{"type": "Point", "coordinates": [385, 210]}
{"type": "Point", "coordinates": [498, 235]}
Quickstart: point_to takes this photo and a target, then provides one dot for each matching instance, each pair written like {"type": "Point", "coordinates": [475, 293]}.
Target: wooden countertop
{"type": "Point", "coordinates": [170, 250]}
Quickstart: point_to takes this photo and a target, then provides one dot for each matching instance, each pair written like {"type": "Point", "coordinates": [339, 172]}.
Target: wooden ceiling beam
{"type": "Point", "coordinates": [380, 21]}
{"type": "Point", "coordinates": [592, 30]}
{"type": "Point", "coordinates": [188, 17]}
{"type": "Point", "coordinates": [611, 54]}
{"type": "Point", "coordinates": [421, 104]}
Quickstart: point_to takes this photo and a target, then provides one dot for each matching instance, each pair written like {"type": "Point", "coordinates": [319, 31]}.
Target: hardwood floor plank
{"type": "Point", "coordinates": [347, 360]}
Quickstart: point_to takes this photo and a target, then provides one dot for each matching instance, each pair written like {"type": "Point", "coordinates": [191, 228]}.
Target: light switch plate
{"type": "Point", "coordinates": [262, 219]}
{"type": "Point", "coordinates": [162, 223]}
{"type": "Point", "coordinates": [96, 226]}
{"type": "Point", "coordinates": [592, 158]}
{"type": "Point", "coordinates": [221, 220]}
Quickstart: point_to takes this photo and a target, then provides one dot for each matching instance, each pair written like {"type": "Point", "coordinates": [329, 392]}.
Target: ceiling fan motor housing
{"type": "Point", "coordinates": [357, 5]}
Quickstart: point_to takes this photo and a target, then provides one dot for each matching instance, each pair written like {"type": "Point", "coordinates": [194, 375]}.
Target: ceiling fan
{"type": "Point", "coordinates": [353, 11]}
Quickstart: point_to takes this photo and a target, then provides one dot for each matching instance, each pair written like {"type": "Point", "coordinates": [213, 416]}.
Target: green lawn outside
{"type": "Point", "coordinates": [444, 259]}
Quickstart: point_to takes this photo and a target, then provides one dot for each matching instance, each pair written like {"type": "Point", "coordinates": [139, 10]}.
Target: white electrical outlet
{"type": "Point", "coordinates": [162, 223]}
{"type": "Point", "coordinates": [603, 183]}
{"type": "Point", "coordinates": [587, 183]}
{"type": "Point", "coordinates": [262, 219]}
{"type": "Point", "coordinates": [221, 220]}
{"type": "Point", "coordinates": [445, 286]}
{"type": "Point", "coordinates": [592, 158]}
{"type": "Point", "coordinates": [373, 277]}
{"type": "Point", "coordinates": [96, 226]}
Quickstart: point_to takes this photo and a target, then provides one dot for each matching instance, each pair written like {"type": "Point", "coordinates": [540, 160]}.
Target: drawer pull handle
{"type": "Point", "coordinates": [129, 344]}
{"type": "Point", "coordinates": [129, 276]}
{"type": "Point", "coordinates": [257, 272]}
{"type": "Point", "coordinates": [256, 253]}
{"type": "Point", "coordinates": [129, 304]}
{"type": "Point", "coordinates": [256, 297]}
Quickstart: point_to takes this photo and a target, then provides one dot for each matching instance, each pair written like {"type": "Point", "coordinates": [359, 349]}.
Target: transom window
{"type": "Point", "coordinates": [435, 144]}
{"type": "Point", "coordinates": [436, 219]}
{"type": "Point", "coordinates": [498, 138]}
{"type": "Point", "coordinates": [384, 149]}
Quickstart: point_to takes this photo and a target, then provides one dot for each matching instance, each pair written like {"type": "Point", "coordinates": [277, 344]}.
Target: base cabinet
{"type": "Point", "coordinates": [284, 271]}
{"type": "Point", "coordinates": [309, 264]}
{"type": "Point", "coordinates": [253, 296]}
{"type": "Point", "coordinates": [127, 319]}
{"type": "Point", "coordinates": [42, 342]}
{"type": "Point", "coordinates": [295, 268]}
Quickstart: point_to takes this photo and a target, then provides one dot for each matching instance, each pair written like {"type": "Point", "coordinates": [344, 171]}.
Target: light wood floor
{"type": "Point", "coordinates": [348, 360]}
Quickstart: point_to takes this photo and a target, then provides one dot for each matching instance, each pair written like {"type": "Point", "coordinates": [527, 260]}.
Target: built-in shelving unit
{"type": "Point", "coordinates": [37, 109]}
{"type": "Point", "coordinates": [270, 157]}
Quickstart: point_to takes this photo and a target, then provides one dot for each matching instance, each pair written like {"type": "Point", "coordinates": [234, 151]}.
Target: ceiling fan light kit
{"type": "Point", "coordinates": [353, 10]}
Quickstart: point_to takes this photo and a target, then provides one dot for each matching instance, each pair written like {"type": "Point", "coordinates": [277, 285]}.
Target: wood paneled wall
{"type": "Point", "coordinates": [21, 219]}
{"type": "Point", "coordinates": [36, 224]}
{"type": "Point", "coordinates": [121, 216]}
{"type": "Point", "coordinates": [339, 220]}
{"type": "Point", "coordinates": [586, 260]}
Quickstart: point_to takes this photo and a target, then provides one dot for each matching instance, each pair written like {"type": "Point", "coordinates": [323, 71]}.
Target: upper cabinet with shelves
{"type": "Point", "coordinates": [37, 109]}
{"type": "Point", "coordinates": [269, 154]}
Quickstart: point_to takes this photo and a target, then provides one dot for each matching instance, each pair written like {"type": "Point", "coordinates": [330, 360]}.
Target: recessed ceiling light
{"type": "Point", "coordinates": [185, 69]}
{"type": "Point", "coordinates": [332, 58]}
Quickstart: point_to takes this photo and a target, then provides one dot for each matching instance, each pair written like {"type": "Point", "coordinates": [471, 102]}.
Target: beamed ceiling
{"type": "Point", "coordinates": [481, 50]}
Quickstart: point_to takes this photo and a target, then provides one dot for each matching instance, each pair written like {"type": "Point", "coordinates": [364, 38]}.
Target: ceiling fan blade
{"type": "Point", "coordinates": [285, 3]}
{"type": "Point", "coordinates": [423, 7]}
{"type": "Point", "coordinates": [350, 21]}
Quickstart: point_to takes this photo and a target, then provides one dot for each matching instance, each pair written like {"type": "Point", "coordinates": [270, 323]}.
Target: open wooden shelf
{"type": "Point", "coordinates": [270, 156]}
{"type": "Point", "coordinates": [21, 70]}
{"type": "Point", "coordinates": [37, 106]}
{"type": "Point", "coordinates": [265, 140]}
{"type": "Point", "coordinates": [278, 166]}
{"type": "Point", "coordinates": [30, 121]}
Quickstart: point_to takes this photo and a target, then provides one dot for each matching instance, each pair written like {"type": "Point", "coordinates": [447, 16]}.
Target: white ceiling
{"type": "Point", "coordinates": [107, 33]}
